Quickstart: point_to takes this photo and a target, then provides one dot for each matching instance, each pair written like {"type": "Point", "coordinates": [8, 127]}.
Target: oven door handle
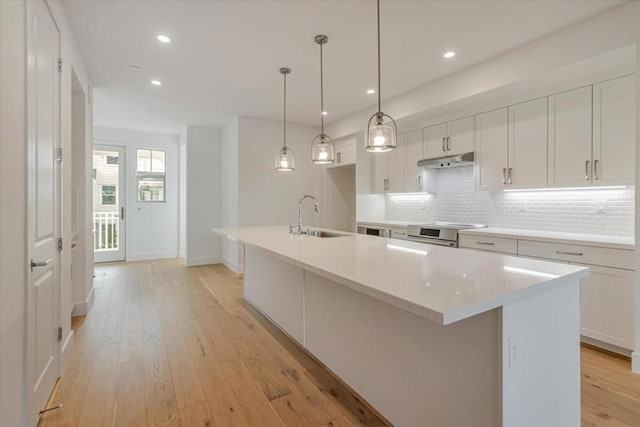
{"type": "Point", "coordinates": [438, 242]}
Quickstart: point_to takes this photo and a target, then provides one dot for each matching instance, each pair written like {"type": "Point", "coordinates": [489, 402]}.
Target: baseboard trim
{"type": "Point", "coordinates": [82, 308]}
{"type": "Point", "coordinates": [237, 269]}
{"type": "Point", "coordinates": [148, 256]}
{"type": "Point", "coordinates": [635, 362]}
{"type": "Point", "coordinates": [66, 351]}
{"type": "Point", "coordinates": [192, 262]}
{"type": "Point", "coordinates": [606, 346]}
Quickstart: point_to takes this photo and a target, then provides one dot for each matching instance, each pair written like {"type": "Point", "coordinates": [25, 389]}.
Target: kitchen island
{"type": "Point", "coordinates": [428, 335]}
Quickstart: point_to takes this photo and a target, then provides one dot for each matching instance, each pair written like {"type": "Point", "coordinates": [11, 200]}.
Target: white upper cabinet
{"type": "Point", "coordinates": [492, 142]}
{"type": "Point", "coordinates": [435, 138]}
{"type": "Point", "coordinates": [345, 153]}
{"type": "Point", "coordinates": [459, 136]}
{"type": "Point", "coordinates": [389, 169]}
{"type": "Point", "coordinates": [528, 144]}
{"type": "Point", "coordinates": [614, 133]}
{"type": "Point", "coordinates": [415, 151]}
{"type": "Point", "coordinates": [570, 138]}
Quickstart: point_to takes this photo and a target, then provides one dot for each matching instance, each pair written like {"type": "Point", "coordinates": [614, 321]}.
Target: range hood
{"type": "Point", "coordinates": [457, 161]}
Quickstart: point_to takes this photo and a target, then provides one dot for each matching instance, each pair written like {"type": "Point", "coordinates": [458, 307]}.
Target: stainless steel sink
{"type": "Point", "coordinates": [322, 233]}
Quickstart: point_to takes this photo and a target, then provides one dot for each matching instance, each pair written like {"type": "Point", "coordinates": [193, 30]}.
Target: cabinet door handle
{"type": "Point", "coordinates": [569, 253]}
{"type": "Point", "coordinates": [586, 170]}
{"type": "Point", "coordinates": [510, 172]}
{"type": "Point", "coordinates": [443, 140]}
{"type": "Point", "coordinates": [504, 176]}
{"type": "Point", "coordinates": [486, 243]}
{"type": "Point", "coordinates": [448, 143]}
{"type": "Point", "coordinates": [595, 170]}
{"type": "Point", "coordinates": [419, 182]}
{"type": "Point", "coordinates": [339, 157]}
{"type": "Point", "coordinates": [122, 213]}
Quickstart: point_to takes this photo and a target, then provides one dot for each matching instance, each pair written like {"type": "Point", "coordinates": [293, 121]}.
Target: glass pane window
{"type": "Point", "coordinates": [108, 194]}
{"type": "Point", "coordinates": [151, 175]}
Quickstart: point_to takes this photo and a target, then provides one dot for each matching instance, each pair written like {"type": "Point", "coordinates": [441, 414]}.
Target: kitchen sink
{"type": "Point", "coordinates": [321, 233]}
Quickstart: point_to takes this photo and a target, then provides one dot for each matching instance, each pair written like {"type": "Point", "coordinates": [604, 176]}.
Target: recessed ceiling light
{"type": "Point", "coordinates": [324, 113]}
{"type": "Point", "coordinates": [164, 38]}
{"type": "Point", "coordinates": [156, 82]}
{"type": "Point", "coordinates": [371, 91]}
{"type": "Point", "coordinates": [449, 54]}
{"type": "Point", "coordinates": [134, 68]}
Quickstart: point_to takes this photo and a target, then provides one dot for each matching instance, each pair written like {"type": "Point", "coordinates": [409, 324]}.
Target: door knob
{"type": "Point", "coordinates": [35, 264]}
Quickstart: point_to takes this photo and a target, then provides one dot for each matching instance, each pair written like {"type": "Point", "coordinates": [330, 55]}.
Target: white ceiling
{"type": "Point", "coordinates": [224, 56]}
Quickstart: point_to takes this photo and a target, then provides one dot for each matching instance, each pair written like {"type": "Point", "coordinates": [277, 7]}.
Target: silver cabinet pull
{"type": "Point", "coordinates": [35, 264]}
{"type": "Point", "coordinates": [443, 140]}
{"type": "Point", "coordinates": [448, 143]}
{"type": "Point", "coordinates": [504, 176]}
{"type": "Point", "coordinates": [569, 253]}
{"type": "Point", "coordinates": [595, 170]}
{"type": "Point", "coordinates": [586, 170]}
{"type": "Point", "coordinates": [122, 213]}
{"type": "Point", "coordinates": [486, 243]}
{"type": "Point", "coordinates": [339, 157]}
{"type": "Point", "coordinates": [419, 182]}
{"type": "Point", "coordinates": [510, 171]}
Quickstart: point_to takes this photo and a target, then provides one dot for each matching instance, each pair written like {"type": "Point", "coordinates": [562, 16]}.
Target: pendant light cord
{"type": "Point", "coordinates": [284, 123]}
{"type": "Point", "coordinates": [321, 93]}
{"type": "Point", "coordinates": [379, 96]}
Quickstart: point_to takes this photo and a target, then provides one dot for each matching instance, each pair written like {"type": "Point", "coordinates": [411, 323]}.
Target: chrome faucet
{"type": "Point", "coordinates": [298, 228]}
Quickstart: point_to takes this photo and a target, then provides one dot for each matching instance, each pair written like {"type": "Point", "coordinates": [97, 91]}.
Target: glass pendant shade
{"type": "Point", "coordinates": [322, 150]}
{"type": "Point", "coordinates": [285, 160]}
{"type": "Point", "coordinates": [381, 134]}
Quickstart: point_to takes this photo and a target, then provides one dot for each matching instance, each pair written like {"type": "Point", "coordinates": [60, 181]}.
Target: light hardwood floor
{"type": "Point", "coordinates": [165, 345]}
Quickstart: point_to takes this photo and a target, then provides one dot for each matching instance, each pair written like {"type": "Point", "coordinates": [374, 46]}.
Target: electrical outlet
{"type": "Point", "coordinates": [522, 206]}
{"type": "Point", "coordinates": [513, 350]}
{"type": "Point", "coordinates": [602, 206]}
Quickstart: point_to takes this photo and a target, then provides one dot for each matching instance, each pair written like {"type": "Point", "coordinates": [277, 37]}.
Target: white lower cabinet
{"type": "Point", "coordinates": [607, 298]}
{"type": "Point", "coordinates": [607, 295]}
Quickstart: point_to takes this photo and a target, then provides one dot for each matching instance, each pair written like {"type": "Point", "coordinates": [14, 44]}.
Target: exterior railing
{"type": "Point", "coordinates": [107, 228]}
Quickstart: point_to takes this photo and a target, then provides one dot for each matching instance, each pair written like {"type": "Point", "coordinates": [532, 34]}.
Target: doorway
{"type": "Point", "coordinates": [109, 198]}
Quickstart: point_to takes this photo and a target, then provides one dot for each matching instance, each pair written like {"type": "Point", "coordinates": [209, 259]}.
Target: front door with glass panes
{"type": "Point", "coordinates": [109, 209]}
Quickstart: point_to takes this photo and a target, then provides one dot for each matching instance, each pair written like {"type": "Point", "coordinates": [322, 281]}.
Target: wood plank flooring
{"type": "Point", "coordinates": [165, 345]}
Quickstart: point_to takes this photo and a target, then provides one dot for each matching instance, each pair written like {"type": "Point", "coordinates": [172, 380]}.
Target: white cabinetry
{"type": "Point", "coordinates": [389, 169]}
{"type": "Point", "coordinates": [492, 156]}
{"type": "Point", "coordinates": [450, 138]}
{"type": "Point", "coordinates": [415, 151]}
{"type": "Point", "coordinates": [607, 298]}
{"type": "Point", "coordinates": [345, 153]}
{"type": "Point", "coordinates": [528, 144]}
{"type": "Point", "coordinates": [614, 133]}
{"type": "Point", "coordinates": [570, 138]}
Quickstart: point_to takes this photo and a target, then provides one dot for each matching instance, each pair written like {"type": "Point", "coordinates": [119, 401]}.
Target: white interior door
{"type": "Point", "coordinates": [109, 203]}
{"type": "Point", "coordinates": [43, 229]}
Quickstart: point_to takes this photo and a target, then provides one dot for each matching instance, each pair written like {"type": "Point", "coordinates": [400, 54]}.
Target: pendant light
{"type": "Point", "coordinates": [285, 160]}
{"type": "Point", "coordinates": [322, 148]}
{"type": "Point", "coordinates": [381, 130]}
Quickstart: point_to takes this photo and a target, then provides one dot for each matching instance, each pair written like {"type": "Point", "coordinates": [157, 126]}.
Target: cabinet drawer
{"type": "Point", "coordinates": [494, 244]}
{"type": "Point", "coordinates": [398, 233]}
{"type": "Point", "coordinates": [616, 258]}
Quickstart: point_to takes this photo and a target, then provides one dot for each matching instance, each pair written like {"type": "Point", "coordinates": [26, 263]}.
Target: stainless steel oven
{"type": "Point", "coordinates": [372, 230]}
{"type": "Point", "coordinates": [439, 233]}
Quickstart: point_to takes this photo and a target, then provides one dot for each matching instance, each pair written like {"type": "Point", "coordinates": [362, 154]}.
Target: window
{"type": "Point", "coordinates": [151, 175]}
{"type": "Point", "coordinates": [108, 194]}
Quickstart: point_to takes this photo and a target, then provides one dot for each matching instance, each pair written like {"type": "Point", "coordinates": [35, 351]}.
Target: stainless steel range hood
{"type": "Point", "coordinates": [443, 162]}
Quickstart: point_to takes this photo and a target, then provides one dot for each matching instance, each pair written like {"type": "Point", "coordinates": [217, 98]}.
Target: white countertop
{"type": "Point", "coordinates": [440, 283]}
{"type": "Point", "coordinates": [614, 242]}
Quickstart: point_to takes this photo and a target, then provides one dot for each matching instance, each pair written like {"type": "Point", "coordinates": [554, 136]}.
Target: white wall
{"type": "Point", "coordinates": [636, 353]}
{"type": "Point", "coordinates": [13, 212]}
{"type": "Point", "coordinates": [266, 196]}
{"type": "Point", "coordinates": [182, 210]}
{"type": "Point", "coordinates": [232, 253]}
{"type": "Point", "coordinates": [203, 195]}
{"type": "Point", "coordinates": [152, 228]}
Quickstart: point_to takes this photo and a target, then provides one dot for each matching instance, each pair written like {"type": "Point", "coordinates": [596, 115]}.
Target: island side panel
{"type": "Point", "coordinates": [413, 370]}
{"type": "Point", "coordinates": [541, 359]}
{"type": "Point", "coordinates": [276, 288]}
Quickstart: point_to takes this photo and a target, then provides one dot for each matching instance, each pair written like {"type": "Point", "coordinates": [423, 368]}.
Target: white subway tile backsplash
{"type": "Point", "coordinates": [607, 211]}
